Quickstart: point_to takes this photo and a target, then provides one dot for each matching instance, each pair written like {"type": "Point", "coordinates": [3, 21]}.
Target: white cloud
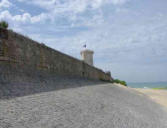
{"type": "Point", "coordinates": [5, 15]}
{"type": "Point", "coordinates": [71, 5]}
{"type": "Point", "coordinates": [24, 18]}
{"type": "Point", "coordinates": [5, 4]}
{"type": "Point", "coordinates": [56, 8]}
{"type": "Point", "coordinates": [39, 18]}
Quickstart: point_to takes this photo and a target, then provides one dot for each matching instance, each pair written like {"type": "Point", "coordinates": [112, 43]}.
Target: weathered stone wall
{"type": "Point", "coordinates": [26, 55]}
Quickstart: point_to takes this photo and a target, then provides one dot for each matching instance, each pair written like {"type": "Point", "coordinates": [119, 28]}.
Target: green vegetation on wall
{"type": "Point", "coordinates": [120, 82]}
{"type": "Point", "coordinates": [4, 24]}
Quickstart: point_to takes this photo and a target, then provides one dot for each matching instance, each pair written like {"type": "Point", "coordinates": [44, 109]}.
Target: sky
{"type": "Point", "coordinates": [129, 37]}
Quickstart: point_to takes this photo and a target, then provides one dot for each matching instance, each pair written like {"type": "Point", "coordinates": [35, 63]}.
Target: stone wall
{"type": "Point", "coordinates": [25, 55]}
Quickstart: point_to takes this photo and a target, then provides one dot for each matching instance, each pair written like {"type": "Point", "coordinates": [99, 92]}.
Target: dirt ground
{"type": "Point", "coordinates": [159, 96]}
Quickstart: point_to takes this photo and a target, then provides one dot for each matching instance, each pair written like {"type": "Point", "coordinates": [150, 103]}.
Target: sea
{"type": "Point", "coordinates": [148, 85]}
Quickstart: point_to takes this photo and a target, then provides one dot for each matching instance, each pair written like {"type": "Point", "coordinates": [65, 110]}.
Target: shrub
{"type": "Point", "coordinates": [119, 82]}
{"type": "Point", "coordinates": [3, 24]}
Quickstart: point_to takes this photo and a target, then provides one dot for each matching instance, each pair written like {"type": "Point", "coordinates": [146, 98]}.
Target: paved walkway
{"type": "Point", "coordinates": [100, 106]}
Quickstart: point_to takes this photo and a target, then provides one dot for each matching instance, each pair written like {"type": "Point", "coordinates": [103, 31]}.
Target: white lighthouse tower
{"type": "Point", "coordinates": [87, 56]}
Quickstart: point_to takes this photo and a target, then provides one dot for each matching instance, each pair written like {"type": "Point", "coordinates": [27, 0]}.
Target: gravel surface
{"type": "Point", "coordinates": [101, 106]}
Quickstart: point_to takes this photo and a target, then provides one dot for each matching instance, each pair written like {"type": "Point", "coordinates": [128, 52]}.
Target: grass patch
{"type": "Point", "coordinates": [164, 88]}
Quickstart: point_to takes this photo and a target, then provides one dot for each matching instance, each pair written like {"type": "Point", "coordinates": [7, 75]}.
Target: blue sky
{"type": "Point", "coordinates": [129, 37]}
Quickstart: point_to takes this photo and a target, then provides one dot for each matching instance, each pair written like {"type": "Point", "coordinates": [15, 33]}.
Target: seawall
{"type": "Point", "coordinates": [21, 57]}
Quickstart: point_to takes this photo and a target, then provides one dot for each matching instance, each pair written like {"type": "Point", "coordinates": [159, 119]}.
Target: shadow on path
{"type": "Point", "coordinates": [38, 85]}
